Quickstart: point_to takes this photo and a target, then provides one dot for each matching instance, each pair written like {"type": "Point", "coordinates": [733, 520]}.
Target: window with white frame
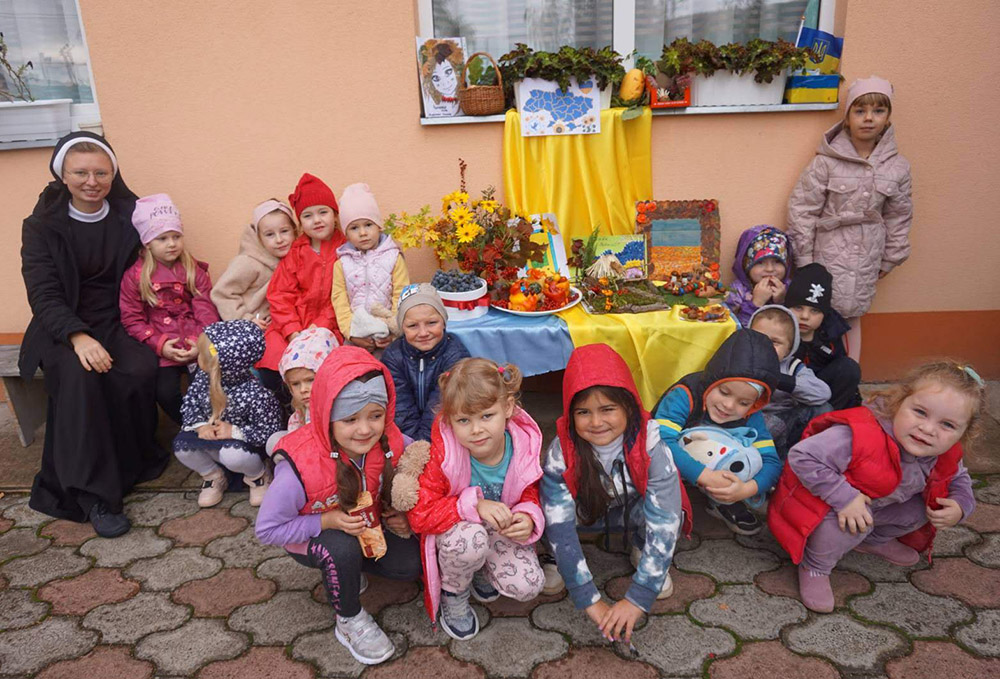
{"type": "Point", "coordinates": [49, 34]}
{"type": "Point", "coordinates": [494, 26]}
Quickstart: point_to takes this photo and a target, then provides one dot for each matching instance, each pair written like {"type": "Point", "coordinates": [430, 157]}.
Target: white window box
{"type": "Point", "coordinates": [35, 121]}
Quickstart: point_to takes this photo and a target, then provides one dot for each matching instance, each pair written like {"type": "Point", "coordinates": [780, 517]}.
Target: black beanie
{"type": "Point", "coordinates": [812, 285]}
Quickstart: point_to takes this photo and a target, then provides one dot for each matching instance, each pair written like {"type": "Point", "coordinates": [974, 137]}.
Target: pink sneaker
{"type": "Point", "coordinates": [893, 551]}
{"type": "Point", "coordinates": [258, 487]}
{"type": "Point", "coordinates": [815, 590]}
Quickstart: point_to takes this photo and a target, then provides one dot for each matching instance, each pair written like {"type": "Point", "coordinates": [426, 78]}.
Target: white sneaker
{"type": "Point", "coordinates": [364, 584]}
{"type": "Point", "coordinates": [553, 581]}
{"type": "Point", "coordinates": [212, 488]}
{"type": "Point", "coordinates": [667, 589]}
{"type": "Point", "coordinates": [258, 487]}
{"type": "Point", "coordinates": [362, 636]}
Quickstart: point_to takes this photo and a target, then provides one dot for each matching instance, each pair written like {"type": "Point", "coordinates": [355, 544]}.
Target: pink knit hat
{"type": "Point", "coordinates": [358, 202]}
{"type": "Point", "coordinates": [868, 86]}
{"type": "Point", "coordinates": [154, 216]}
{"type": "Point", "coordinates": [267, 207]}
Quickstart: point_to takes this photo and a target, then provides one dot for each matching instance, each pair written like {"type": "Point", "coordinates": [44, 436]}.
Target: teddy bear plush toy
{"type": "Point", "coordinates": [378, 323]}
{"type": "Point", "coordinates": [726, 450]}
{"type": "Point", "coordinates": [406, 481]}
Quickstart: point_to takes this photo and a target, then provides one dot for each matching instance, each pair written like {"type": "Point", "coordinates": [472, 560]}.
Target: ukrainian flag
{"type": "Point", "coordinates": [826, 46]}
{"type": "Point", "coordinates": [818, 82]}
{"type": "Point", "coordinates": [811, 89]}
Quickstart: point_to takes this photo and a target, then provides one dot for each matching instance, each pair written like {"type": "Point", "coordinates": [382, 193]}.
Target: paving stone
{"type": "Point", "coordinates": [138, 543]}
{"type": "Point", "coordinates": [505, 607]}
{"type": "Point", "coordinates": [982, 636]}
{"type": "Point", "coordinates": [845, 641]}
{"type": "Point", "coordinates": [242, 550]}
{"type": "Point", "coordinates": [951, 541]}
{"type": "Point", "coordinates": [290, 574]}
{"type": "Point", "coordinates": [987, 553]}
{"type": "Point", "coordinates": [104, 662]}
{"type": "Point", "coordinates": [80, 595]}
{"type": "Point", "coordinates": [877, 569]}
{"type": "Point", "coordinates": [906, 607]}
{"type": "Point", "coordinates": [17, 609]}
{"type": "Point", "coordinates": [973, 584]}
{"type": "Point", "coordinates": [594, 663]}
{"type": "Point", "coordinates": [937, 659]}
{"type": "Point", "coordinates": [332, 658]}
{"type": "Point", "coordinates": [68, 533]}
{"type": "Point", "coordinates": [985, 518]}
{"type": "Point", "coordinates": [382, 592]}
{"type": "Point", "coordinates": [764, 540]}
{"type": "Point", "coordinates": [563, 617]}
{"type": "Point", "coordinates": [6, 525]}
{"type": "Point", "coordinates": [678, 647]}
{"type": "Point", "coordinates": [55, 562]}
{"type": "Point", "coordinates": [199, 529]}
{"type": "Point", "coordinates": [160, 508]}
{"type": "Point", "coordinates": [24, 516]}
{"type": "Point", "coordinates": [244, 510]}
{"type": "Point", "coordinates": [185, 649]}
{"type": "Point", "coordinates": [258, 663]}
{"type": "Point", "coordinates": [173, 569]}
{"type": "Point", "coordinates": [707, 527]}
{"type": "Point", "coordinates": [785, 582]}
{"type": "Point", "coordinates": [411, 620]}
{"type": "Point", "coordinates": [282, 618]}
{"type": "Point", "coordinates": [426, 662]}
{"type": "Point", "coordinates": [990, 492]}
{"type": "Point", "coordinates": [727, 561]}
{"type": "Point", "coordinates": [11, 499]}
{"type": "Point", "coordinates": [688, 587]}
{"type": "Point", "coordinates": [685, 544]}
{"type": "Point", "coordinates": [221, 594]}
{"type": "Point", "coordinates": [492, 647]}
{"type": "Point", "coordinates": [129, 621]}
{"type": "Point", "coordinates": [748, 612]}
{"type": "Point", "coordinates": [770, 659]}
{"type": "Point", "coordinates": [20, 542]}
{"type": "Point", "coordinates": [28, 650]}
{"type": "Point", "coordinates": [605, 565]}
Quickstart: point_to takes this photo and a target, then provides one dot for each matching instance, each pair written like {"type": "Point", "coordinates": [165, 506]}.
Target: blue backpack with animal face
{"type": "Point", "coordinates": [729, 450]}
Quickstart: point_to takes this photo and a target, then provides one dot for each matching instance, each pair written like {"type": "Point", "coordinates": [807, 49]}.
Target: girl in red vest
{"type": "Point", "coordinates": [609, 470]}
{"type": "Point", "coordinates": [478, 514]}
{"type": "Point", "coordinates": [879, 479]}
{"type": "Point", "coordinates": [349, 445]}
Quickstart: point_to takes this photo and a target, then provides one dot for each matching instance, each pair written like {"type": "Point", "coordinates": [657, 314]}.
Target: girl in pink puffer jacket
{"type": "Point", "coordinates": [851, 209]}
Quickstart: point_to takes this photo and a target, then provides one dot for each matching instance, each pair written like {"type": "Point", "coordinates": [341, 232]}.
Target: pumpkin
{"type": "Point", "coordinates": [632, 84]}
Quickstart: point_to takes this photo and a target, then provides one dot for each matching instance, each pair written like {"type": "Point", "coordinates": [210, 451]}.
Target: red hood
{"type": "Point", "coordinates": [592, 365]}
{"type": "Point", "coordinates": [344, 364]}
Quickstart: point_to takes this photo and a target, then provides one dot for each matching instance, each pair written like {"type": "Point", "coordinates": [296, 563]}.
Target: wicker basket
{"type": "Point", "coordinates": [481, 100]}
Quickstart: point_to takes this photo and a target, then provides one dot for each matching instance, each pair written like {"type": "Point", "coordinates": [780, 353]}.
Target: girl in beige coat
{"type": "Point", "coordinates": [851, 209]}
{"type": "Point", "coordinates": [241, 291]}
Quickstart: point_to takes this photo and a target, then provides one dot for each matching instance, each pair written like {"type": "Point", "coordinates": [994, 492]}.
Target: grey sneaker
{"type": "Point", "coordinates": [458, 620]}
{"type": "Point", "coordinates": [362, 636]}
{"type": "Point", "coordinates": [482, 589]}
{"type": "Point", "coordinates": [364, 584]}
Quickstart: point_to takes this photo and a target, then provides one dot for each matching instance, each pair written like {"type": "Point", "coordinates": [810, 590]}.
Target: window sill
{"type": "Point", "coordinates": [34, 144]}
{"type": "Point", "coordinates": [689, 110]}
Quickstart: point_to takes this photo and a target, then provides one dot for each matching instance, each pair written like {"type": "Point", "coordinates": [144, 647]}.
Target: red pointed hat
{"type": "Point", "coordinates": [311, 191]}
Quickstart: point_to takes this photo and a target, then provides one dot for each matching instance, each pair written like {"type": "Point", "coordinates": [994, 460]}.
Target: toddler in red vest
{"type": "Point", "coordinates": [347, 450]}
{"type": "Point", "coordinates": [879, 479]}
{"type": "Point", "coordinates": [478, 514]}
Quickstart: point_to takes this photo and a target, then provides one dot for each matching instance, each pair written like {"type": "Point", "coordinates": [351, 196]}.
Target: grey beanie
{"type": "Point", "coordinates": [417, 294]}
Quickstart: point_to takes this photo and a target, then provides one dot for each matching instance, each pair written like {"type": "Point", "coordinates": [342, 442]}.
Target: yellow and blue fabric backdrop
{"type": "Point", "coordinates": [586, 180]}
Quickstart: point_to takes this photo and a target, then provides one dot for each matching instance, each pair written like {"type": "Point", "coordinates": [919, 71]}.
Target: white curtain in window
{"type": "Point", "coordinates": [495, 25]}
{"type": "Point", "coordinates": [48, 33]}
{"type": "Point", "coordinates": [658, 22]}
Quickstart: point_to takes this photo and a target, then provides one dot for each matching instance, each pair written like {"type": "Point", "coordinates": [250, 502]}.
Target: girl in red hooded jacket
{"type": "Point", "coordinates": [478, 503]}
{"type": "Point", "coordinates": [878, 479]}
{"type": "Point", "coordinates": [349, 445]}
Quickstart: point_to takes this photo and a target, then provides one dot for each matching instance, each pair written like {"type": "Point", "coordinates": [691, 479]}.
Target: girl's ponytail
{"type": "Point", "coordinates": [208, 358]}
{"type": "Point", "coordinates": [388, 472]}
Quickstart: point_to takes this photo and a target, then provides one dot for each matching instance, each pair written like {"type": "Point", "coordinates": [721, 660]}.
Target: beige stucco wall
{"type": "Point", "coordinates": [224, 104]}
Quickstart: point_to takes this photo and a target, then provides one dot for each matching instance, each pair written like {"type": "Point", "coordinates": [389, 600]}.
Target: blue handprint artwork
{"type": "Point", "coordinates": [545, 110]}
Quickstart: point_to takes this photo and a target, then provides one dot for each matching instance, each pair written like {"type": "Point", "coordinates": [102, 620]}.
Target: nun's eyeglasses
{"type": "Point", "coordinates": [101, 176]}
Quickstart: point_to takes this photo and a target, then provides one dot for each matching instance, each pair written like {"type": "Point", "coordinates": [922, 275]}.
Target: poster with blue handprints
{"type": "Point", "coordinates": [546, 111]}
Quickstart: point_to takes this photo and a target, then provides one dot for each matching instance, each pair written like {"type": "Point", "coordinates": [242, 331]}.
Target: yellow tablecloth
{"type": "Point", "coordinates": [586, 180]}
{"type": "Point", "coordinates": [658, 346]}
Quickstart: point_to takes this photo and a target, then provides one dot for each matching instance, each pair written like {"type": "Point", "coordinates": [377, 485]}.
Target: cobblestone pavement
{"type": "Point", "coordinates": [191, 593]}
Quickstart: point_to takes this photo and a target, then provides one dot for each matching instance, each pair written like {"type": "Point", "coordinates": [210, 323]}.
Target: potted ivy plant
{"type": "Point", "coordinates": [603, 67]}
{"type": "Point", "coordinates": [21, 117]}
{"type": "Point", "coordinates": [751, 73]}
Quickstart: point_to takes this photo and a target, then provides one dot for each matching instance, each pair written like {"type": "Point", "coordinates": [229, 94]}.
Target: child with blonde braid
{"type": "Point", "coordinates": [479, 514]}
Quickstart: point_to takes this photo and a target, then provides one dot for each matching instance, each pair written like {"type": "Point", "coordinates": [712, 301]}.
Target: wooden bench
{"type": "Point", "coordinates": [27, 399]}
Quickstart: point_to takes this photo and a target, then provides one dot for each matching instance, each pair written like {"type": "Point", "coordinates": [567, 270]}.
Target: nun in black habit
{"type": "Point", "coordinates": [75, 246]}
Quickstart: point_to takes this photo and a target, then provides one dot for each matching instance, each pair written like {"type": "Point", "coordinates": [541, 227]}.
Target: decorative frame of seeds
{"type": "Point", "coordinates": [681, 235]}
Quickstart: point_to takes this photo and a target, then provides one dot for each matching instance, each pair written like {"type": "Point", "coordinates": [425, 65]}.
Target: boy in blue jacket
{"type": "Point", "coordinates": [730, 392]}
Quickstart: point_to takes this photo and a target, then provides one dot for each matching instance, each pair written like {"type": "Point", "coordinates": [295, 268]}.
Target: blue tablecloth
{"type": "Point", "coordinates": [535, 344]}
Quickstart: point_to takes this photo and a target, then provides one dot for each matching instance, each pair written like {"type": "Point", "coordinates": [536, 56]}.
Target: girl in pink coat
{"type": "Point", "coordinates": [851, 209]}
{"type": "Point", "coordinates": [165, 297]}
